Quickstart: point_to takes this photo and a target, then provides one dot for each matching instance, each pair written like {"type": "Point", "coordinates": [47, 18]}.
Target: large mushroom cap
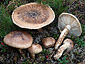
{"type": "Point", "coordinates": [69, 19]}
{"type": "Point", "coordinates": [18, 39]}
{"type": "Point", "coordinates": [33, 16]}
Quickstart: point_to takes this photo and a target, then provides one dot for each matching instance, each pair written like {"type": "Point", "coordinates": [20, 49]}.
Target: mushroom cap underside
{"type": "Point", "coordinates": [69, 19]}
{"type": "Point", "coordinates": [18, 39]}
{"type": "Point", "coordinates": [33, 16]}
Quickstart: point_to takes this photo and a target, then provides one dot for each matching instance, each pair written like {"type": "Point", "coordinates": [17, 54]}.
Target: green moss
{"type": "Point", "coordinates": [63, 60]}
{"type": "Point", "coordinates": [80, 40]}
{"type": "Point", "coordinates": [55, 36]}
{"type": "Point", "coordinates": [57, 5]}
{"type": "Point", "coordinates": [45, 52]}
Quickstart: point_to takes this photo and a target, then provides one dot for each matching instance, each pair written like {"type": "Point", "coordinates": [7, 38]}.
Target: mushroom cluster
{"type": "Point", "coordinates": [36, 16]}
{"type": "Point", "coordinates": [29, 16]}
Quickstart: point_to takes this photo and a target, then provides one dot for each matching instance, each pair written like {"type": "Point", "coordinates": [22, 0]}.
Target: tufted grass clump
{"type": "Point", "coordinates": [81, 40]}
{"type": "Point", "coordinates": [57, 5]}
{"type": "Point", "coordinates": [6, 24]}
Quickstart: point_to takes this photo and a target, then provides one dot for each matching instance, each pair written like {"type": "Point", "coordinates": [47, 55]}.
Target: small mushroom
{"type": "Point", "coordinates": [67, 44]}
{"type": "Point", "coordinates": [18, 39]}
{"type": "Point", "coordinates": [68, 23]}
{"type": "Point", "coordinates": [35, 49]}
{"type": "Point", "coordinates": [48, 42]}
{"type": "Point", "coordinates": [33, 16]}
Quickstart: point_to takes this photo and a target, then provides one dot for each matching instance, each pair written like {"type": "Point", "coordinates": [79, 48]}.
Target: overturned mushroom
{"type": "Point", "coordinates": [67, 44]}
{"type": "Point", "coordinates": [48, 42]}
{"type": "Point", "coordinates": [18, 39]}
{"type": "Point", "coordinates": [33, 16]}
{"type": "Point", "coordinates": [68, 23]}
{"type": "Point", "coordinates": [35, 49]}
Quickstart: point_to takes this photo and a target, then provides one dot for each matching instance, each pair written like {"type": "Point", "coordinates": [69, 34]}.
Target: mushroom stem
{"type": "Point", "coordinates": [33, 55]}
{"type": "Point", "coordinates": [21, 52]}
{"type": "Point", "coordinates": [67, 44]}
{"type": "Point", "coordinates": [62, 36]}
{"type": "Point", "coordinates": [35, 49]}
{"type": "Point", "coordinates": [60, 51]}
{"type": "Point", "coordinates": [40, 30]}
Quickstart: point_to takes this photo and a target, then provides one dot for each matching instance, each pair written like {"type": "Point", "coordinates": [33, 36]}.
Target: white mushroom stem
{"type": "Point", "coordinates": [65, 46]}
{"type": "Point", "coordinates": [62, 36]}
{"type": "Point", "coordinates": [20, 51]}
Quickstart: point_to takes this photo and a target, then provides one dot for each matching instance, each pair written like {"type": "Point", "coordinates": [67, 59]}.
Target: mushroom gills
{"type": "Point", "coordinates": [67, 24]}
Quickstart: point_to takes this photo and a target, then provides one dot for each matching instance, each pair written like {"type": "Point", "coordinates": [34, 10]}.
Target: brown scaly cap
{"type": "Point", "coordinates": [69, 19]}
{"type": "Point", "coordinates": [35, 48]}
{"type": "Point", "coordinates": [48, 42]}
{"type": "Point", "coordinates": [18, 39]}
{"type": "Point", "coordinates": [33, 16]}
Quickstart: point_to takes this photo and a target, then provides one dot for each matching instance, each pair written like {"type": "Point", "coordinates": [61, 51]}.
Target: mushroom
{"type": "Point", "coordinates": [69, 24]}
{"type": "Point", "coordinates": [35, 49]}
{"type": "Point", "coordinates": [48, 42]}
{"type": "Point", "coordinates": [33, 16]}
{"type": "Point", "coordinates": [67, 44]}
{"type": "Point", "coordinates": [18, 39]}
